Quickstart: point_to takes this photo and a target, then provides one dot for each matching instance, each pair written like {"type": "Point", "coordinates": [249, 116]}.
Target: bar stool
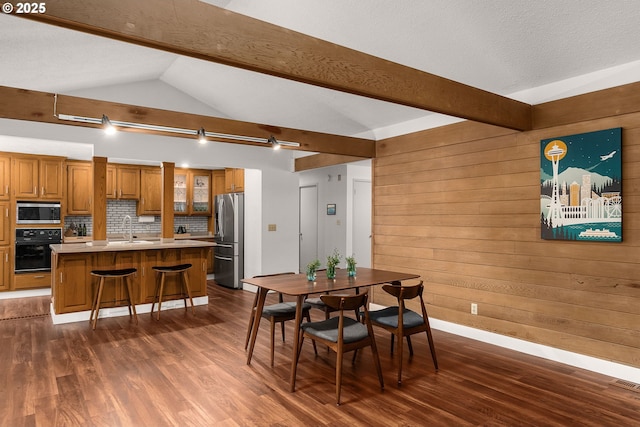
{"type": "Point", "coordinates": [116, 274]}
{"type": "Point", "coordinates": [186, 291]}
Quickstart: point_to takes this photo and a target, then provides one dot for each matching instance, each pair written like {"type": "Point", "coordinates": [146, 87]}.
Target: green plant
{"type": "Point", "coordinates": [333, 259]}
{"type": "Point", "coordinates": [351, 262]}
{"type": "Point", "coordinates": [313, 266]}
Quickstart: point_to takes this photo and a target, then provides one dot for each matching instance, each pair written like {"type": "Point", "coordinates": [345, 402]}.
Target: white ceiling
{"type": "Point", "coordinates": [532, 51]}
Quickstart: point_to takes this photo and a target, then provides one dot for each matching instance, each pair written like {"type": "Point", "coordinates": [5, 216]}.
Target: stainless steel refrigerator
{"type": "Point", "coordinates": [229, 236]}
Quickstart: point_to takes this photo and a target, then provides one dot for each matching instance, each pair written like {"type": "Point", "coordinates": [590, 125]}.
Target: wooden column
{"type": "Point", "coordinates": [99, 210]}
{"type": "Point", "coordinates": [168, 171]}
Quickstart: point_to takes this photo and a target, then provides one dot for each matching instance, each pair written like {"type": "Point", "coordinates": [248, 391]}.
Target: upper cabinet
{"type": "Point", "coordinates": [5, 176]}
{"type": "Point", "coordinates": [192, 192]}
{"type": "Point", "coordinates": [79, 187]}
{"type": "Point", "coordinates": [218, 182]}
{"type": "Point", "coordinates": [37, 177]}
{"type": "Point", "coordinates": [123, 182]}
{"type": "Point", "coordinates": [233, 180]}
{"type": "Point", "coordinates": [150, 191]}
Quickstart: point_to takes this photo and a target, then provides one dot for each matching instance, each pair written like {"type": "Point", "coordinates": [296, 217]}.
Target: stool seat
{"type": "Point", "coordinates": [122, 274]}
{"type": "Point", "coordinates": [162, 271]}
{"type": "Point", "coordinates": [114, 273]}
{"type": "Point", "coordinates": [172, 268]}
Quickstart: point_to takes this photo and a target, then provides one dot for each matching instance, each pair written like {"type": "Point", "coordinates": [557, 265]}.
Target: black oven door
{"type": "Point", "coordinates": [32, 256]}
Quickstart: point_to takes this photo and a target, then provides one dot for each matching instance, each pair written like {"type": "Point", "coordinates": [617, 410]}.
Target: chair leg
{"type": "Point", "coordinates": [376, 362]}
{"type": "Point", "coordinates": [282, 330]}
{"type": "Point", "coordinates": [160, 295]}
{"type": "Point", "coordinates": [400, 350]}
{"type": "Point", "coordinates": [273, 336]}
{"type": "Point", "coordinates": [409, 345]}
{"type": "Point", "coordinates": [432, 346]}
{"type": "Point", "coordinates": [98, 299]}
{"type": "Point", "coordinates": [315, 349]}
{"type": "Point", "coordinates": [131, 305]}
{"type": "Point", "coordinates": [185, 283]}
{"type": "Point", "coordinates": [155, 294]}
{"type": "Point", "coordinates": [338, 374]}
{"type": "Point", "coordinates": [392, 339]}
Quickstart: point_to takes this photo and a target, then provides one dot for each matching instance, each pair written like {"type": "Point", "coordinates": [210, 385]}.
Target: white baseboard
{"type": "Point", "coordinates": [83, 316]}
{"type": "Point", "coordinates": [39, 292]}
{"type": "Point", "coordinates": [581, 361]}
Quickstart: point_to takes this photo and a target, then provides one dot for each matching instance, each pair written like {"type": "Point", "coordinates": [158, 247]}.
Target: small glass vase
{"type": "Point", "coordinates": [351, 270]}
{"type": "Point", "coordinates": [331, 272]}
{"type": "Point", "coordinates": [311, 275]}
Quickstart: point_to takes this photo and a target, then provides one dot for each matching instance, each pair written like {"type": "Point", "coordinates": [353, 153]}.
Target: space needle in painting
{"type": "Point", "coordinates": [554, 152]}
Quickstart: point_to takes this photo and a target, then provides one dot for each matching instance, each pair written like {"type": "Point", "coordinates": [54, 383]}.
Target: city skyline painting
{"type": "Point", "coordinates": [581, 186]}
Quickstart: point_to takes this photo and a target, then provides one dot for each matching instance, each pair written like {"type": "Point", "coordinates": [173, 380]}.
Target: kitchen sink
{"type": "Point", "coordinates": [126, 242]}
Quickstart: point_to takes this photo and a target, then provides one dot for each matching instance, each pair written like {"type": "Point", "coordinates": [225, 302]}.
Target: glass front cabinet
{"type": "Point", "coordinates": [192, 192]}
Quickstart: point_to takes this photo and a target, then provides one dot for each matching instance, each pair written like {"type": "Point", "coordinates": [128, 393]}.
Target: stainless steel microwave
{"type": "Point", "coordinates": [37, 213]}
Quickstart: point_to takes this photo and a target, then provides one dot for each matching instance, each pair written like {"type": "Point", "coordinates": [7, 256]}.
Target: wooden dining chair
{"type": "Point", "coordinates": [402, 322]}
{"type": "Point", "coordinates": [343, 334]}
{"type": "Point", "coordinates": [276, 313]}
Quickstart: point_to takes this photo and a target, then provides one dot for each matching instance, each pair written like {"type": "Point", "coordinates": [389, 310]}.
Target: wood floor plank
{"type": "Point", "coordinates": [187, 370]}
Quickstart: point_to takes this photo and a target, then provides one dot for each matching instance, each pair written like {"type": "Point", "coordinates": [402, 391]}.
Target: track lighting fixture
{"type": "Point", "coordinates": [202, 136]}
{"type": "Point", "coordinates": [274, 142]}
{"type": "Point", "coordinates": [107, 126]}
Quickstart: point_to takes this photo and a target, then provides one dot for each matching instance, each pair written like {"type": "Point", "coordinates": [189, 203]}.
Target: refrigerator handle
{"type": "Point", "coordinates": [220, 218]}
{"type": "Point", "coordinates": [223, 258]}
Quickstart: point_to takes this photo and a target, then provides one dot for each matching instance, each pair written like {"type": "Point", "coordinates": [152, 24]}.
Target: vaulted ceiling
{"type": "Point", "coordinates": [523, 50]}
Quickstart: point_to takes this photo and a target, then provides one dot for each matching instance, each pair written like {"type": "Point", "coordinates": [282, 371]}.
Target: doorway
{"type": "Point", "coordinates": [308, 225]}
{"type": "Point", "coordinates": [361, 237]}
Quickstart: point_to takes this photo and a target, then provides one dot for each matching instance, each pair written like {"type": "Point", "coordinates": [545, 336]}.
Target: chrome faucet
{"type": "Point", "coordinates": [124, 235]}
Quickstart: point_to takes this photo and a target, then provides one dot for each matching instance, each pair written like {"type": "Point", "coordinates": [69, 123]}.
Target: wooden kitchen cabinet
{"type": "Point", "coordinates": [5, 176]}
{"type": "Point", "coordinates": [72, 281]}
{"type": "Point", "coordinates": [123, 182]}
{"type": "Point", "coordinates": [37, 177]}
{"type": "Point", "coordinates": [5, 224]}
{"type": "Point", "coordinates": [192, 192]}
{"type": "Point", "coordinates": [5, 268]}
{"type": "Point", "coordinates": [218, 182]}
{"type": "Point", "coordinates": [79, 187]}
{"type": "Point", "coordinates": [150, 202]}
{"type": "Point", "coordinates": [233, 180]}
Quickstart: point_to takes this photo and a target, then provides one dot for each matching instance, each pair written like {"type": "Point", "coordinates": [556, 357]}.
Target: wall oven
{"type": "Point", "coordinates": [32, 248]}
{"type": "Point", "coordinates": [37, 213]}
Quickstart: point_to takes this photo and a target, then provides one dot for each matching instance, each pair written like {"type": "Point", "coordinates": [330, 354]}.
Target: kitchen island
{"type": "Point", "coordinates": [73, 286]}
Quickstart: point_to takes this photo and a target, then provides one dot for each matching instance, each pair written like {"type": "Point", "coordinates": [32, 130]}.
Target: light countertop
{"type": "Point", "coordinates": [136, 245]}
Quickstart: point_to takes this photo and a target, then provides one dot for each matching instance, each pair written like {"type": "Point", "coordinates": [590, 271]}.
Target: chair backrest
{"type": "Point", "coordinates": [345, 302]}
{"type": "Point", "coordinates": [404, 292]}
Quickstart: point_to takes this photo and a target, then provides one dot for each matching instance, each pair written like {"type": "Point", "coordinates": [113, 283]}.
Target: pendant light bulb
{"type": "Point", "coordinates": [202, 136]}
{"type": "Point", "coordinates": [108, 128]}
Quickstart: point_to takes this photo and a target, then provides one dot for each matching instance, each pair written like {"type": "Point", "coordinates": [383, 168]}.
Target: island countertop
{"type": "Point", "coordinates": [136, 245]}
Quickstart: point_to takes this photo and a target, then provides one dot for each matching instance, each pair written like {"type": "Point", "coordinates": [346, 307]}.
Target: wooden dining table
{"type": "Point", "coordinates": [297, 285]}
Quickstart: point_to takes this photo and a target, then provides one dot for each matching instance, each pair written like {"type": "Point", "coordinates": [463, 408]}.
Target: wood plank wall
{"type": "Point", "coordinates": [459, 205]}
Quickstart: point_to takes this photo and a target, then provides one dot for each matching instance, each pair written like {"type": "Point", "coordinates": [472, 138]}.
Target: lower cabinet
{"type": "Point", "coordinates": [72, 290]}
{"type": "Point", "coordinates": [74, 286]}
{"type": "Point", "coordinates": [32, 280]}
{"type": "Point", "coordinates": [5, 268]}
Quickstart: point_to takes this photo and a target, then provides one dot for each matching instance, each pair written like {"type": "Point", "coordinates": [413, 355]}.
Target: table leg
{"type": "Point", "coordinates": [296, 341]}
{"type": "Point", "coordinates": [262, 296]}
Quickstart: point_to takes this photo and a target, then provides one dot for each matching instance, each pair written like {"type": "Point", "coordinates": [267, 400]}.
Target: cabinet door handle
{"type": "Point", "coordinates": [6, 213]}
{"type": "Point", "coordinates": [61, 277]}
{"type": "Point", "coordinates": [43, 191]}
{"type": "Point", "coordinates": [35, 190]}
{"type": "Point", "coordinates": [6, 189]}
{"type": "Point", "coordinates": [38, 277]}
{"type": "Point", "coordinates": [121, 192]}
{"type": "Point", "coordinates": [6, 257]}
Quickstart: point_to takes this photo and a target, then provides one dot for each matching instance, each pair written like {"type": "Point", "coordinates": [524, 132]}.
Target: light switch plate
{"type": "Point", "coordinates": [272, 227]}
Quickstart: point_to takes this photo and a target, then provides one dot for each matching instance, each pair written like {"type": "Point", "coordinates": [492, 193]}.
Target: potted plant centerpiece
{"type": "Point", "coordinates": [351, 266]}
{"type": "Point", "coordinates": [332, 261]}
{"type": "Point", "coordinates": [311, 270]}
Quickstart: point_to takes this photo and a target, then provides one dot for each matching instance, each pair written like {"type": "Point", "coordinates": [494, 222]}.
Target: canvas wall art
{"type": "Point", "coordinates": [581, 186]}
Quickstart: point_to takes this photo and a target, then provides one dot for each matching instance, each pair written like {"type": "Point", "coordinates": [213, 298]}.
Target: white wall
{"type": "Point", "coordinates": [355, 172]}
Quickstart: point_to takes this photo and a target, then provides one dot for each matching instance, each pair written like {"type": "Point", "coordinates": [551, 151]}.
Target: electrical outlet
{"type": "Point", "coordinates": [474, 308]}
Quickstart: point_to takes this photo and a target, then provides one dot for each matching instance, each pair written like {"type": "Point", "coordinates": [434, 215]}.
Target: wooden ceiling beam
{"type": "Point", "coordinates": [196, 29]}
{"type": "Point", "coordinates": [322, 160]}
{"type": "Point", "coordinates": [22, 104]}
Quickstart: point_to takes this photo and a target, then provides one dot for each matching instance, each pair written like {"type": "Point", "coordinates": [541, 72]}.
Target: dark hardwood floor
{"type": "Point", "coordinates": [191, 371]}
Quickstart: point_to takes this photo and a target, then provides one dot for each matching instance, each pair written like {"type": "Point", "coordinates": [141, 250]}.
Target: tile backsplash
{"type": "Point", "coordinates": [118, 209]}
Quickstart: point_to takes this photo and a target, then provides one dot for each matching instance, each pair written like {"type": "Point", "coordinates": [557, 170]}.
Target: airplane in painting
{"type": "Point", "coordinates": [607, 156]}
